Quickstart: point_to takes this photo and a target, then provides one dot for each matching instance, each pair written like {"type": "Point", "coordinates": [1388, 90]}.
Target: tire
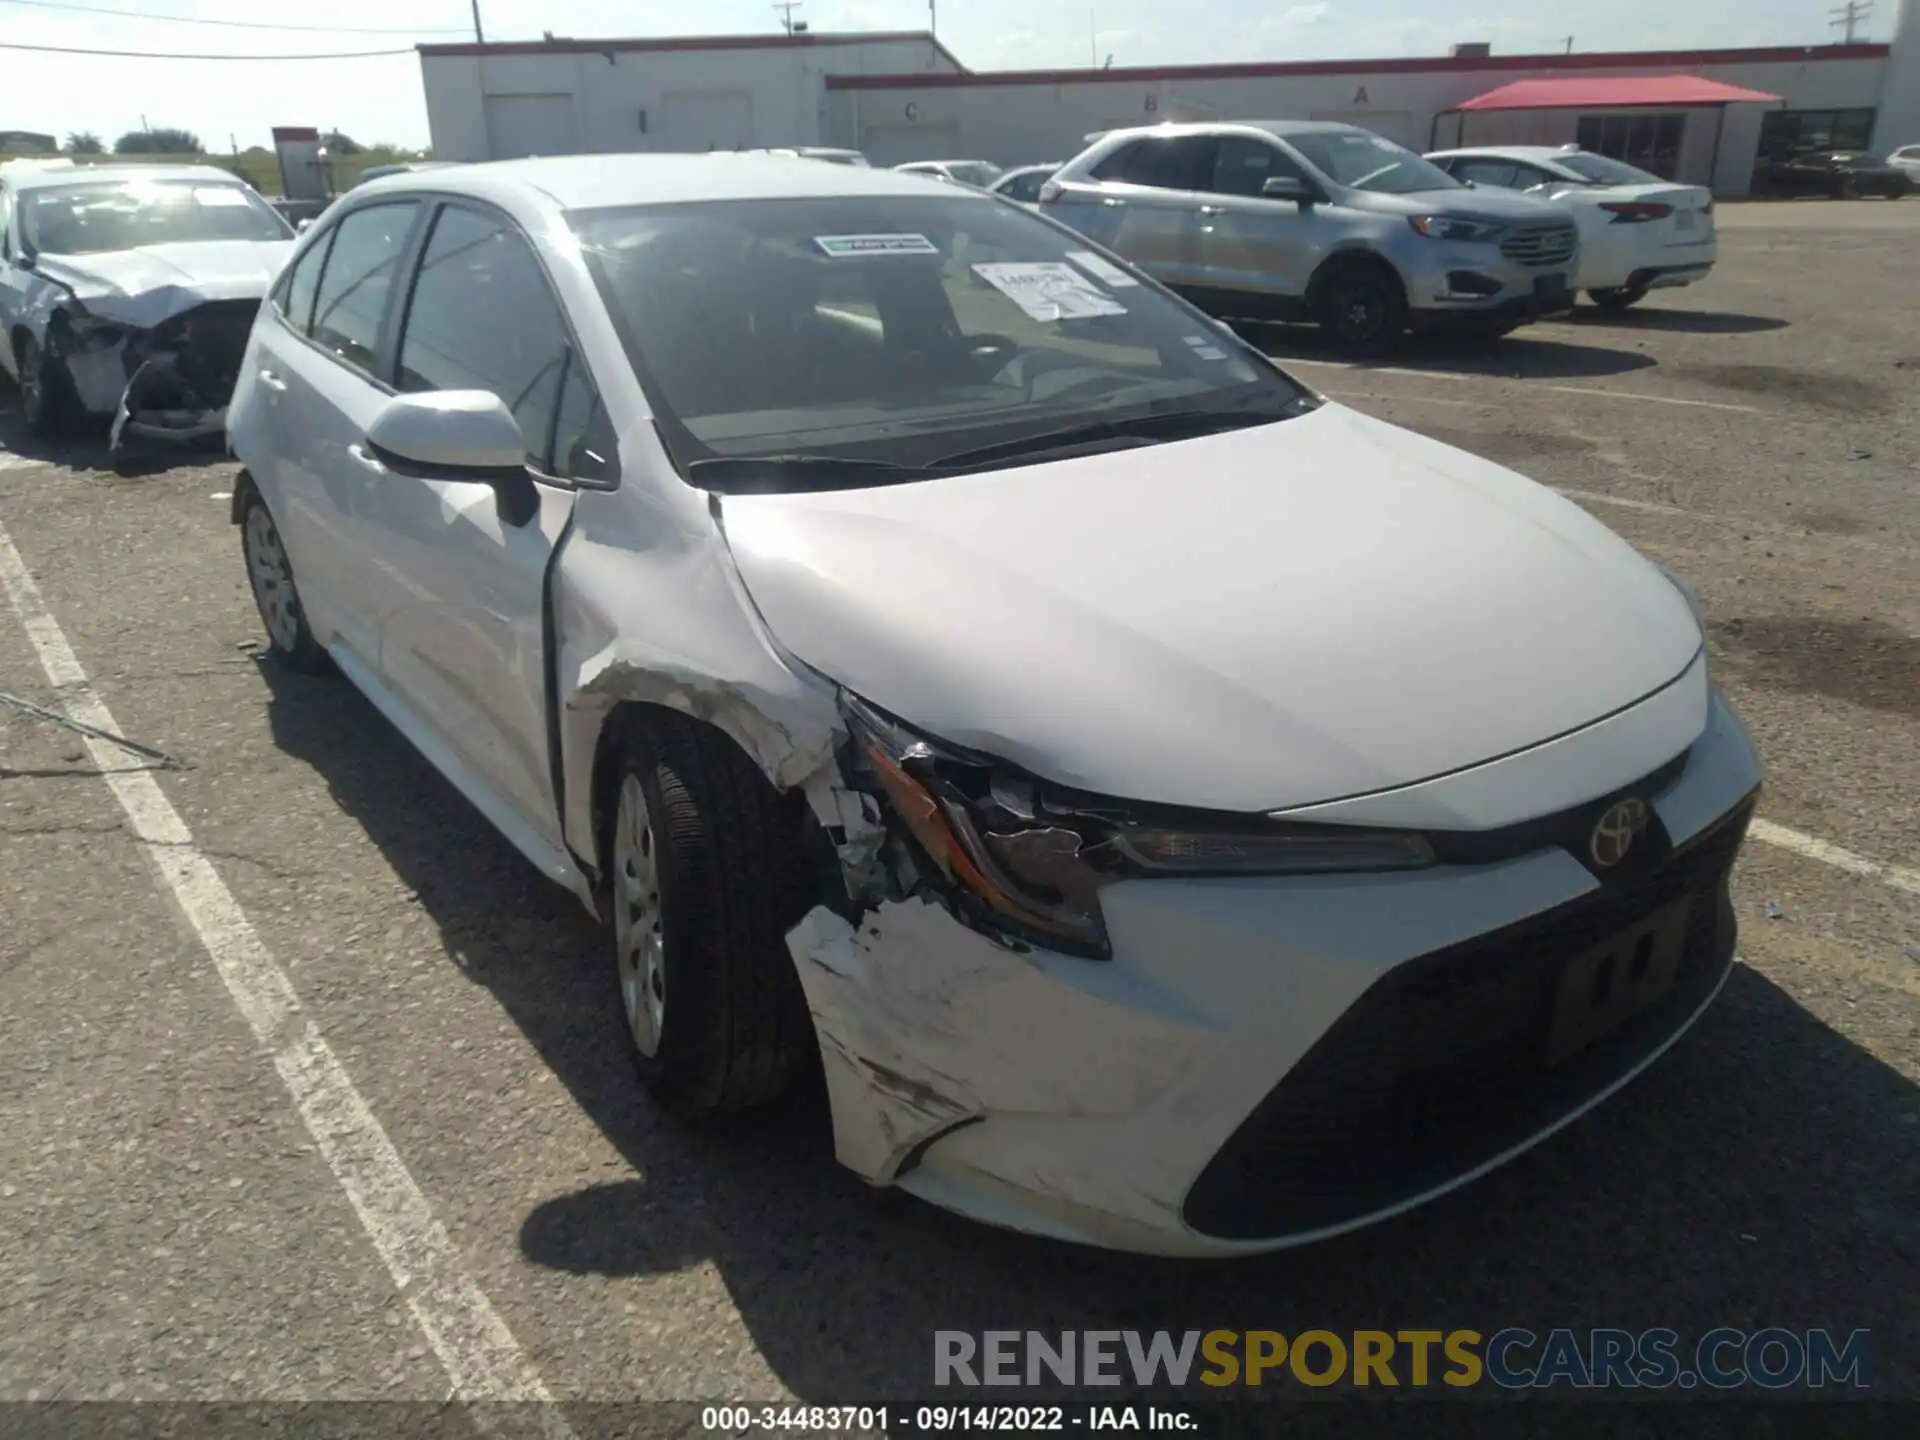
{"type": "Point", "coordinates": [49, 404]}
{"type": "Point", "coordinates": [704, 878]}
{"type": "Point", "coordinates": [1618, 299]}
{"type": "Point", "coordinates": [1361, 307]}
{"type": "Point", "coordinates": [270, 577]}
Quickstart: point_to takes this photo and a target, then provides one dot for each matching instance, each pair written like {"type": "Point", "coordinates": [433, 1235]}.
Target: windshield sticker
{"type": "Point", "coordinates": [218, 196]}
{"type": "Point", "coordinates": [1205, 348]}
{"type": "Point", "coordinates": [844, 247]}
{"type": "Point", "coordinates": [1050, 290]}
{"type": "Point", "coordinates": [1101, 268]}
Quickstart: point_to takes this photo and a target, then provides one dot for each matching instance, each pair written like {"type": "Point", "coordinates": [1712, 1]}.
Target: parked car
{"type": "Point", "coordinates": [129, 291]}
{"type": "Point", "coordinates": [821, 152]}
{"type": "Point", "coordinates": [1023, 183]}
{"type": "Point", "coordinates": [1637, 232]}
{"type": "Point", "coordinates": [977, 173]}
{"type": "Point", "coordinates": [1842, 175]}
{"type": "Point", "coordinates": [1247, 858]}
{"type": "Point", "coordinates": [1906, 158]}
{"type": "Point", "coordinates": [1305, 220]}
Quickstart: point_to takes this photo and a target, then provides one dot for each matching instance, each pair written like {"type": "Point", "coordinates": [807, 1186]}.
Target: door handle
{"type": "Point", "coordinates": [273, 381]}
{"type": "Point", "coordinates": [1213, 209]}
{"type": "Point", "coordinates": [366, 459]}
{"type": "Point", "coordinates": [1111, 203]}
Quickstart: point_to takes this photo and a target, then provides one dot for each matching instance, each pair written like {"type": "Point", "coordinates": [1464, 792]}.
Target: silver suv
{"type": "Point", "coordinates": [1300, 220]}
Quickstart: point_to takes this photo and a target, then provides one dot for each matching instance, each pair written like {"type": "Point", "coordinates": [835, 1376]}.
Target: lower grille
{"type": "Point", "coordinates": [1538, 245]}
{"type": "Point", "coordinates": [1438, 1068]}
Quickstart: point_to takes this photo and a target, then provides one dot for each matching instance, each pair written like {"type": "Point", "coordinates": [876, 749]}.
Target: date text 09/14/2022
{"type": "Point", "coordinates": [938, 1419]}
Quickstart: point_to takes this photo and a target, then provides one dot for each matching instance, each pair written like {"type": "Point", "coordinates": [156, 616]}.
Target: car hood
{"type": "Point", "coordinates": [1268, 618]}
{"type": "Point", "coordinates": [1479, 200]}
{"type": "Point", "coordinates": [146, 286]}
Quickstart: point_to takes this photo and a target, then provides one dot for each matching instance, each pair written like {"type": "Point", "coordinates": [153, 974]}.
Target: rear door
{"type": "Point", "coordinates": [1144, 201]}
{"type": "Point", "coordinates": [462, 635]}
{"type": "Point", "coordinates": [319, 372]}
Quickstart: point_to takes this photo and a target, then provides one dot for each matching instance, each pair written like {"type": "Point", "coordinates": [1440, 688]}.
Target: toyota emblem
{"type": "Point", "coordinates": [1614, 834]}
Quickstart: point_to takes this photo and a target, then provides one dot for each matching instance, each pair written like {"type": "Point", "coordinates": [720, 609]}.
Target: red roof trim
{"type": "Point", "coordinates": [1597, 60]}
{"type": "Point", "coordinates": [573, 46]}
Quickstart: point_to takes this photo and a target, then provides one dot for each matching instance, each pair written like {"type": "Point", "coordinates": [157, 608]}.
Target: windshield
{"type": "Point", "coordinates": [897, 330]}
{"type": "Point", "coordinates": [124, 215]}
{"type": "Point", "coordinates": [974, 172]}
{"type": "Point", "coordinates": [1602, 171]}
{"type": "Point", "coordinates": [1362, 161]}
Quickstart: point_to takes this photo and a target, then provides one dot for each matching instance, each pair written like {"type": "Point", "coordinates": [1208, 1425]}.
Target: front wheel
{"type": "Point", "coordinates": [271, 576]}
{"type": "Point", "coordinates": [704, 879]}
{"type": "Point", "coordinates": [1618, 299]}
{"type": "Point", "coordinates": [1362, 309]}
{"type": "Point", "coordinates": [48, 401]}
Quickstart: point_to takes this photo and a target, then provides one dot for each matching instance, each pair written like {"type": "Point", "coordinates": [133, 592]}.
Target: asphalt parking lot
{"type": "Point", "coordinates": [193, 1207]}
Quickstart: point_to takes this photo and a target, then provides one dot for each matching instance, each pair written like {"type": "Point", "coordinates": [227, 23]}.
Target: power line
{"type": "Point", "coordinates": [171, 55]}
{"type": "Point", "coordinates": [235, 24]}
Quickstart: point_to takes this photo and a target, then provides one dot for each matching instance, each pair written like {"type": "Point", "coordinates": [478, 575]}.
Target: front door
{"type": "Point", "coordinates": [462, 626]}
{"type": "Point", "coordinates": [1249, 243]}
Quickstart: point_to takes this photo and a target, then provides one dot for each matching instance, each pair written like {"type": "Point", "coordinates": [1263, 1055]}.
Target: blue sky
{"type": "Point", "coordinates": [379, 99]}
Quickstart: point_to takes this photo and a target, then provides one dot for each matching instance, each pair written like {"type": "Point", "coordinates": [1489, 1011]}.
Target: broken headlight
{"type": "Point", "coordinates": [1029, 858]}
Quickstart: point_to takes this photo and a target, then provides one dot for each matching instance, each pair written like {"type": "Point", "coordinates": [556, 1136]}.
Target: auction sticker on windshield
{"type": "Point", "coordinates": [1050, 290]}
{"type": "Point", "coordinates": [842, 247]}
{"type": "Point", "coordinates": [221, 196]}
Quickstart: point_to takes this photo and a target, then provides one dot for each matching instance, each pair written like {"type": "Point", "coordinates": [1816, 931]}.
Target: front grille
{"type": "Point", "coordinates": [1438, 1067]}
{"type": "Point", "coordinates": [1538, 245]}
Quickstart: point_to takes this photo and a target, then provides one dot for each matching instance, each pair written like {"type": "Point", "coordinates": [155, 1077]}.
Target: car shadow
{"type": "Point", "coordinates": [86, 449]}
{"type": "Point", "coordinates": [1690, 322]}
{"type": "Point", "coordinates": [1532, 352]}
{"type": "Point", "coordinates": [1761, 1174]}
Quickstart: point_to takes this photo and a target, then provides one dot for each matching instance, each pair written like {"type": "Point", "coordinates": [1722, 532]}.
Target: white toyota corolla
{"type": "Point", "coordinates": [1176, 812]}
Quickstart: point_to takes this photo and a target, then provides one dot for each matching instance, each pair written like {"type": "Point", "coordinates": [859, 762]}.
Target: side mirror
{"type": "Point", "coordinates": [303, 226]}
{"type": "Point", "coordinates": [23, 262]}
{"type": "Point", "coordinates": [1291, 187]}
{"type": "Point", "coordinates": [458, 435]}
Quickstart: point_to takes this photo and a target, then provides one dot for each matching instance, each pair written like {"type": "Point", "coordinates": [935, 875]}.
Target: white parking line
{"type": "Point", "coordinates": [480, 1354]}
{"type": "Point", "coordinates": [1896, 876]}
{"type": "Point", "coordinates": [1458, 378]}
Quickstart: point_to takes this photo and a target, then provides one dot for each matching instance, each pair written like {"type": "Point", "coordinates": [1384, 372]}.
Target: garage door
{"type": "Point", "coordinates": [709, 119]}
{"type": "Point", "coordinates": [521, 125]}
{"type": "Point", "coordinates": [897, 144]}
{"type": "Point", "coordinates": [1395, 125]}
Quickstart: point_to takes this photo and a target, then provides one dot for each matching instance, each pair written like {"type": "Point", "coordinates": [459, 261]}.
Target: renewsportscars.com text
{"type": "Point", "coordinates": [1512, 1358]}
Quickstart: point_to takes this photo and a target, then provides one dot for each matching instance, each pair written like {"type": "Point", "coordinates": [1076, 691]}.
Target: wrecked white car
{"type": "Point", "coordinates": [128, 292]}
{"type": "Point", "coordinates": [1177, 812]}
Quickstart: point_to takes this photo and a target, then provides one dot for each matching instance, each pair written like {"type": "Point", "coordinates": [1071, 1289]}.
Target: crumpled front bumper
{"type": "Point", "coordinates": [1143, 1103]}
{"type": "Point", "coordinates": [169, 383]}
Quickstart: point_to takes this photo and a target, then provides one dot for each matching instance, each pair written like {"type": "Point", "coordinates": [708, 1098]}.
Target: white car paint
{"type": "Point", "coordinates": [1616, 252]}
{"type": "Point", "coordinates": [1907, 158]}
{"type": "Point", "coordinates": [1321, 615]}
{"type": "Point", "coordinates": [145, 286]}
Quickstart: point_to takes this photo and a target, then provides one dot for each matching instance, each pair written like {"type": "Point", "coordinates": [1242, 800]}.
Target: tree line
{"type": "Point", "coordinates": [171, 140]}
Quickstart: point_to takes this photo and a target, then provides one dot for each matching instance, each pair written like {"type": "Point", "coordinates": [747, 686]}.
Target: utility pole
{"type": "Point", "coordinates": [1569, 44]}
{"type": "Point", "coordinates": [1849, 17]}
{"type": "Point", "coordinates": [479, 35]}
{"type": "Point", "coordinates": [786, 9]}
{"type": "Point", "coordinates": [933, 18]}
{"type": "Point", "coordinates": [1093, 42]}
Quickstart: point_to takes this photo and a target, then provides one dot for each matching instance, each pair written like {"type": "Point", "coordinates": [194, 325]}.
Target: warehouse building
{"type": "Point", "coordinates": [1704, 117]}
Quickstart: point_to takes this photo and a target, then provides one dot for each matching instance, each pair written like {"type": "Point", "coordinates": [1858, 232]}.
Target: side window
{"type": "Point", "coordinates": [293, 296]}
{"type": "Point", "coordinates": [1242, 165]}
{"type": "Point", "coordinates": [583, 447]}
{"type": "Point", "coordinates": [352, 295]}
{"type": "Point", "coordinates": [1183, 162]}
{"type": "Point", "coordinates": [1500, 174]}
{"type": "Point", "coordinates": [482, 318]}
{"type": "Point", "coordinates": [1025, 188]}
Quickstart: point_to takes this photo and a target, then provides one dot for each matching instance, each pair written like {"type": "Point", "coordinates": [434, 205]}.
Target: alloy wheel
{"type": "Point", "coordinates": [639, 940]}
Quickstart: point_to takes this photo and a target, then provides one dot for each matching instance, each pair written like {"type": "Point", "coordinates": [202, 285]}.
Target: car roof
{"type": "Point", "coordinates": [39, 177]}
{"type": "Point", "coordinates": [1548, 153]}
{"type": "Point", "coordinates": [598, 182]}
{"type": "Point", "coordinates": [1281, 128]}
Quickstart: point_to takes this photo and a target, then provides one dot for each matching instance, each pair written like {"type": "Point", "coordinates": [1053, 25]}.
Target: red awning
{"type": "Point", "coordinates": [1609, 91]}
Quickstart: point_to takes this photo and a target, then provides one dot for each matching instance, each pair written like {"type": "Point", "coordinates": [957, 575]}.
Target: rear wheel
{"type": "Point", "coordinates": [704, 878]}
{"type": "Point", "coordinates": [48, 401]}
{"type": "Point", "coordinates": [1618, 298]}
{"type": "Point", "coordinates": [1361, 308]}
